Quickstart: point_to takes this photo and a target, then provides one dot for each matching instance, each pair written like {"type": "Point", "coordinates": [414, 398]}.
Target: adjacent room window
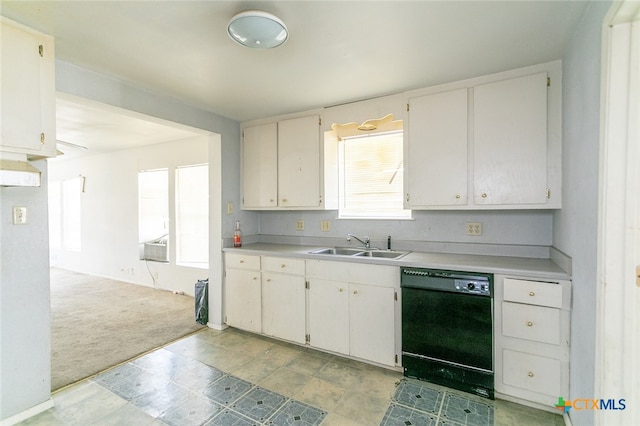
{"type": "Point", "coordinates": [192, 215]}
{"type": "Point", "coordinates": [153, 210]}
{"type": "Point", "coordinates": [371, 176]}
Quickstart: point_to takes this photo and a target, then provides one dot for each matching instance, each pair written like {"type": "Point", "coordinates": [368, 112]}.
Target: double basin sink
{"type": "Point", "coordinates": [360, 252]}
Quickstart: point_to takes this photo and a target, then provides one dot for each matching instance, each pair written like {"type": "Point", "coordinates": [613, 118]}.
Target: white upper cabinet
{"type": "Point", "coordinates": [437, 152]}
{"type": "Point", "coordinates": [260, 166]}
{"type": "Point", "coordinates": [491, 142]}
{"type": "Point", "coordinates": [299, 162]}
{"type": "Point", "coordinates": [281, 165]}
{"type": "Point", "coordinates": [27, 88]}
{"type": "Point", "coordinates": [510, 141]}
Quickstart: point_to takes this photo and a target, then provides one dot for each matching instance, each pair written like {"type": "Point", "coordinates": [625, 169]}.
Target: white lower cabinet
{"type": "Point", "coordinates": [283, 299]}
{"type": "Point", "coordinates": [242, 294]}
{"type": "Point", "coordinates": [329, 315]}
{"type": "Point", "coordinates": [353, 309]}
{"type": "Point", "coordinates": [532, 331]}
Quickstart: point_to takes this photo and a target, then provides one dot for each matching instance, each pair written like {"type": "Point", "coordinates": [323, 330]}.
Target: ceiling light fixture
{"type": "Point", "coordinates": [257, 29]}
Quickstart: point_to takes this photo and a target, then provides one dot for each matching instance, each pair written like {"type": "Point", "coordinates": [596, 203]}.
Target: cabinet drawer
{"type": "Point", "coordinates": [528, 322]}
{"type": "Point", "coordinates": [242, 261]}
{"type": "Point", "coordinates": [532, 372]}
{"type": "Point", "coordinates": [283, 265]}
{"type": "Point", "coordinates": [533, 292]}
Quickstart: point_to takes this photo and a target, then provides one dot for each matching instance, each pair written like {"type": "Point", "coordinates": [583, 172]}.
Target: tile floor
{"type": "Point", "coordinates": [235, 378]}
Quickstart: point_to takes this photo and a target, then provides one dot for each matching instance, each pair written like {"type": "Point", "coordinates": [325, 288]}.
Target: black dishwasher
{"type": "Point", "coordinates": [447, 328]}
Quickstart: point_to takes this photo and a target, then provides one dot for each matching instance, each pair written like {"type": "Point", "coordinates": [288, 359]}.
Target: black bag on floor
{"type": "Point", "coordinates": [202, 301]}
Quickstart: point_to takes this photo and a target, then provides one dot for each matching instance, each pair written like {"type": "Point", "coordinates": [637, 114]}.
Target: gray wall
{"type": "Point", "coordinates": [25, 374]}
{"type": "Point", "coordinates": [24, 253]}
{"type": "Point", "coordinates": [574, 227]}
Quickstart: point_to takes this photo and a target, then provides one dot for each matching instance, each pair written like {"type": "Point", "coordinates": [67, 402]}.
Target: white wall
{"type": "Point", "coordinates": [109, 227]}
{"type": "Point", "coordinates": [25, 373]}
{"type": "Point", "coordinates": [576, 224]}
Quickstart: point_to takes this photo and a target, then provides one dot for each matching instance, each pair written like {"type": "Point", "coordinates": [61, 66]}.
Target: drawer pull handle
{"type": "Point", "coordinates": [268, 280]}
{"type": "Point", "coordinates": [530, 374]}
{"type": "Point", "coordinates": [242, 261]}
{"type": "Point", "coordinates": [341, 290]}
{"type": "Point", "coordinates": [529, 324]}
{"type": "Point", "coordinates": [255, 278]}
{"type": "Point", "coordinates": [484, 195]}
{"type": "Point", "coordinates": [531, 294]}
{"type": "Point", "coordinates": [355, 291]}
{"type": "Point", "coordinates": [283, 266]}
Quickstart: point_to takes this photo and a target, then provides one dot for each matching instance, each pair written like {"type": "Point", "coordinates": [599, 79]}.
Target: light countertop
{"type": "Point", "coordinates": [520, 266]}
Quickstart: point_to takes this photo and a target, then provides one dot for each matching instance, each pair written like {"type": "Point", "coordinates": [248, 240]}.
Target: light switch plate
{"type": "Point", "coordinates": [19, 215]}
{"type": "Point", "coordinates": [325, 225]}
{"type": "Point", "coordinates": [300, 225]}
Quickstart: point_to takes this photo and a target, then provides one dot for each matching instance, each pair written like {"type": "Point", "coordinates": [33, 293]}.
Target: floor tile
{"type": "Point", "coordinates": [419, 397]}
{"type": "Point", "coordinates": [159, 401]}
{"type": "Point", "coordinates": [227, 389]}
{"type": "Point", "coordinates": [321, 393]}
{"type": "Point", "coordinates": [285, 381]}
{"type": "Point", "coordinates": [297, 413]}
{"type": "Point", "coordinates": [195, 411]}
{"type": "Point", "coordinates": [398, 415]}
{"type": "Point", "coordinates": [230, 418]}
{"type": "Point", "coordinates": [464, 411]}
{"type": "Point", "coordinates": [237, 378]}
{"type": "Point", "coordinates": [259, 404]}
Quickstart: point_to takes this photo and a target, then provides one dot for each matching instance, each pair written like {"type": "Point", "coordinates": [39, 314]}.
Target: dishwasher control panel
{"type": "Point", "coordinates": [473, 287]}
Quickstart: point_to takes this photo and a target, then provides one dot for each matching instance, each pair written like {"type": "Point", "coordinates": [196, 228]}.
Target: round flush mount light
{"type": "Point", "coordinates": [257, 29]}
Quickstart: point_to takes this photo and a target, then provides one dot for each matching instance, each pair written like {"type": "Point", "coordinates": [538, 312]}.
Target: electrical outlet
{"type": "Point", "coordinates": [300, 225]}
{"type": "Point", "coordinates": [474, 228]}
{"type": "Point", "coordinates": [229, 208]}
{"type": "Point", "coordinates": [19, 215]}
{"type": "Point", "coordinates": [325, 225]}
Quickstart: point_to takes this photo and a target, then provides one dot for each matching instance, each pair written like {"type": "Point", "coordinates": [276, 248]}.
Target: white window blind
{"type": "Point", "coordinates": [371, 176]}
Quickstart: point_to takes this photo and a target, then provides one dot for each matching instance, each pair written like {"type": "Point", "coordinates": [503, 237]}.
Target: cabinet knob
{"type": "Point", "coordinates": [529, 324]}
{"type": "Point", "coordinates": [531, 293]}
{"type": "Point", "coordinates": [530, 374]}
{"type": "Point", "coordinates": [268, 280]}
{"type": "Point", "coordinates": [242, 261]}
{"type": "Point", "coordinates": [255, 278]}
{"type": "Point", "coordinates": [458, 196]}
{"type": "Point", "coordinates": [341, 290]}
{"type": "Point", "coordinates": [283, 266]}
{"type": "Point", "coordinates": [355, 291]}
{"type": "Point", "coordinates": [484, 195]}
{"type": "Point", "coordinates": [284, 200]}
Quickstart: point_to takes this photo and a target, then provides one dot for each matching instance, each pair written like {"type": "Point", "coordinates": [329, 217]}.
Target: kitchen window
{"type": "Point", "coordinates": [371, 176]}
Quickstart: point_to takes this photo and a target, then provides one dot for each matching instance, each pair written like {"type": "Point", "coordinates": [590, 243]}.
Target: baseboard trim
{"type": "Point", "coordinates": [26, 414]}
{"type": "Point", "coordinates": [217, 326]}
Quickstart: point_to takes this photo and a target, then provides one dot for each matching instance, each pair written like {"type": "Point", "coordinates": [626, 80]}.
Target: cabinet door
{"type": "Point", "coordinates": [436, 150]}
{"type": "Point", "coordinates": [329, 315]}
{"type": "Point", "coordinates": [283, 306]}
{"type": "Point", "coordinates": [372, 323]}
{"type": "Point", "coordinates": [260, 166]}
{"type": "Point", "coordinates": [243, 299]}
{"type": "Point", "coordinates": [299, 162]}
{"type": "Point", "coordinates": [28, 91]}
{"type": "Point", "coordinates": [510, 141]}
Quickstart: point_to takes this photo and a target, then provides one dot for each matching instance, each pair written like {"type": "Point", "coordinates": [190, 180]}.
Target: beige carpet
{"type": "Point", "coordinates": [97, 323]}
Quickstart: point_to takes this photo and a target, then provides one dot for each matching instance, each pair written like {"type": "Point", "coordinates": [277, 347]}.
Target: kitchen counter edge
{"type": "Point", "coordinates": [504, 265]}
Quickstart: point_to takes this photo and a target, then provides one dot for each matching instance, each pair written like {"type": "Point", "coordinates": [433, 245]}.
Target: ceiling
{"type": "Point", "coordinates": [337, 51]}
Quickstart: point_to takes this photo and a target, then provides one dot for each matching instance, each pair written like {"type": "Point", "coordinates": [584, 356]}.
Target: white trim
{"type": "Point", "coordinates": [26, 414]}
{"type": "Point", "coordinates": [618, 320]}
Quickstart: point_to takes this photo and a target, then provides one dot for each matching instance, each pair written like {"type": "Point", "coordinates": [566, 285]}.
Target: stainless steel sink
{"type": "Point", "coordinates": [360, 252]}
{"type": "Point", "coordinates": [386, 254]}
{"type": "Point", "coordinates": [340, 251]}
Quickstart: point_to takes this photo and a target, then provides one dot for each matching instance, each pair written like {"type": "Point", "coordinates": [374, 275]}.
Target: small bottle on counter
{"type": "Point", "coordinates": [237, 235]}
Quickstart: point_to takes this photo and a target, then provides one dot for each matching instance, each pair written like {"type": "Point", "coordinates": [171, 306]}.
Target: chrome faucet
{"type": "Point", "coordinates": [366, 241]}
